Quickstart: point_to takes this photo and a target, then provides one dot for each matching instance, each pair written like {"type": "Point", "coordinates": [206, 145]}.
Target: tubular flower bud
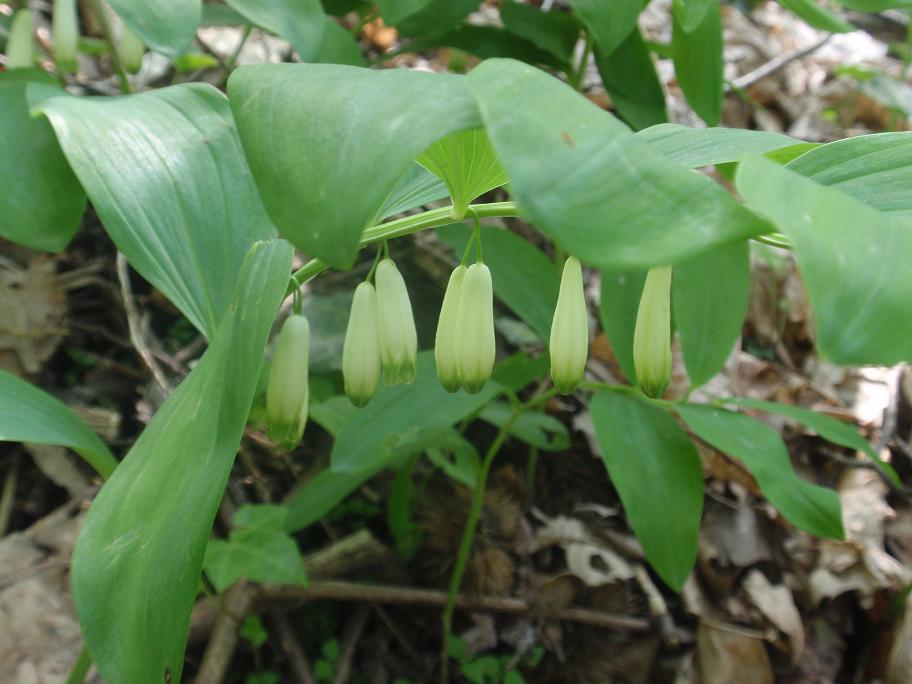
{"type": "Point", "coordinates": [287, 390]}
{"type": "Point", "coordinates": [398, 339]}
{"type": "Point", "coordinates": [65, 31]}
{"type": "Point", "coordinates": [20, 49]}
{"type": "Point", "coordinates": [652, 335]}
{"type": "Point", "coordinates": [131, 50]}
{"type": "Point", "coordinates": [361, 352]}
{"type": "Point", "coordinates": [475, 348]}
{"type": "Point", "coordinates": [445, 342]}
{"type": "Point", "coordinates": [569, 330]}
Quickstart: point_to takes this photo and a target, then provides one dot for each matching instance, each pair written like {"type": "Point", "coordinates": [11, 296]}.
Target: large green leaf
{"type": "Point", "coordinates": [829, 428]}
{"type": "Point", "coordinates": [28, 414]}
{"type": "Point", "coordinates": [590, 184]}
{"type": "Point", "coordinates": [554, 31]}
{"type": "Point", "coordinates": [166, 25]}
{"type": "Point", "coordinates": [327, 143]}
{"type": "Point", "coordinates": [710, 303]}
{"type": "Point", "coordinates": [630, 77]}
{"type": "Point", "coordinates": [166, 174]}
{"type": "Point", "coordinates": [416, 187]}
{"type": "Point", "coordinates": [466, 162]}
{"type": "Point", "coordinates": [42, 201]}
{"type": "Point", "coordinates": [810, 507]}
{"type": "Point", "coordinates": [620, 301]}
{"type": "Point", "coordinates": [301, 22]}
{"type": "Point", "coordinates": [853, 258]}
{"type": "Point", "coordinates": [874, 169]}
{"type": "Point", "coordinates": [657, 473]}
{"type": "Point", "coordinates": [487, 42]}
{"type": "Point", "coordinates": [693, 147]}
{"type": "Point", "coordinates": [397, 421]}
{"type": "Point", "coordinates": [524, 278]}
{"type": "Point", "coordinates": [697, 55]}
{"type": "Point", "coordinates": [535, 428]}
{"type": "Point", "coordinates": [417, 17]}
{"type": "Point", "coordinates": [609, 22]}
{"type": "Point", "coordinates": [259, 549]}
{"type": "Point", "coordinates": [818, 16]}
{"type": "Point", "coordinates": [692, 12]}
{"type": "Point", "coordinates": [136, 565]}
{"type": "Point", "coordinates": [874, 5]}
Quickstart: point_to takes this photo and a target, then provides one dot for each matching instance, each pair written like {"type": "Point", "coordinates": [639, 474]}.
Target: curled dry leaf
{"type": "Point", "coordinates": [593, 563]}
{"type": "Point", "coordinates": [860, 563]}
{"type": "Point", "coordinates": [778, 606]}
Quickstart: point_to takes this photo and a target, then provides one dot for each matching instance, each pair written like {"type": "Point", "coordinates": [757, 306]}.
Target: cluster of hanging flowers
{"type": "Point", "coordinates": [381, 340]}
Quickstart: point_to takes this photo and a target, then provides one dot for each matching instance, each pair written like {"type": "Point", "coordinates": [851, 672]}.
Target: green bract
{"type": "Point", "coordinates": [287, 391]}
{"type": "Point", "coordinates": [361, 352]}
{"type": "Point", "coordinates": [131, 50]}
{"type": "Point", "coordinates": [445, 342]}
{"type": "Point", "coordinates": [19, 49]}
{"type": "Point", "coordinates": [652, 335]}
{"type": "Point", "coordinates": [398, 339]}
{"type": "Point", "coordinates": [65, 28]}
{"type": "Point", "coordinates": [475, 348]}
{"type": "Point", "coordinates": [569, 330]}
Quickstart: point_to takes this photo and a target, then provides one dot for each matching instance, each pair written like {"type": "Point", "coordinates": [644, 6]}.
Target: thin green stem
{"type": "Point", "coordinates": [775, 239]}
{"type": "Point", "coordinates": [232, 60]}
{"type": "Point", "coordinates": [119, 68]}
{"type": "Point", "coordinates": [579, 75]}
{"type": "Point", "coordinates": [373, 268]}
{"type": "Point", "coordinates": [434, 218]}
{"type": "Point", "coordinates": [80, 667]}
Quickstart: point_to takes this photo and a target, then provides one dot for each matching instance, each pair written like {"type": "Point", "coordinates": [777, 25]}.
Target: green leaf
{"type": "Point", "coordinates": [532, 427]}
{"type": "Point", "coordinates": [415, 188]}
{"type": "Point", "coordinates": [630, 77]}
{"type": "Point", "coordinates": [260, 551]}
{"type": "Point", "coordinates": [136, 565]}
{"type": "Point", "coordinates": [330, 143]}
{"type": "Point", "coordinates": [554, 31]}
{"type": "Point", "coordinates": [710, 302]}
{"type": "Point", "coordinates": [593, 186]}
{"type": "Point", "coordinates": [693, 147]}
{"type": "Point", "coordinates": [697, 55]}
{"type": "Point", "coordinates": [300, 22]}
{"type": "Point", "coordinates": [854, 261]}
{"type": "Point", "coordinates": [339, 46]}
{"type": "Point", "coordinates": [417, 17]}
{"type": "Point", "coordinates": [166, 174]}
{"type": "Point", "coordinates": [164, 26]}
{"type": "Point", "coordinates": [829, 428]}
{"type": "Point", "coordinates": [457, 457]}
{"type": "Point", "coordinates": [28, 414]}
{"type": "Point", "coordinates": [874, 5]}
{"type": "Point", "coordinates": [222, 15]}
{"type": "Point", "coordinates": [487, 42]}
{"type": "Point", "coordinates": [609, 22]}
{"type": "Point", "coordinates": [657, 473]}
{"type": "Point", "coordinates": [397, 422]}
{"type": "Point", "coordinates": [42, 202]}
{"type": "Point", "coordinates": [692, 12]}
{"type": "Point", "coordinates": [817, 16]}
{"type": "Point", "coordinates": [874, 169]}
{"type": "Point", "coordinates": [809, 507]}
{"type": "Point", "coordinates": [466, 162]}
{"type": "Point", "coordinates": [620, 301]}
{"type": "Point", "coordinates": [524, 278]}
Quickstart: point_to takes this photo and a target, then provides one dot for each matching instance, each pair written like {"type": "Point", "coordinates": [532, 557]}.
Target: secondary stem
{"type": "Point", "coordinates": [105, 24]}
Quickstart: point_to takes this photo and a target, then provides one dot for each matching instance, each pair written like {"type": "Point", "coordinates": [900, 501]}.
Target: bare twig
{"type": "Point", "coordinates": [777, 63]}
{"type": "Point", "coordinates": [217, 658]}
{"type": "Point", "coordinates": [353, 631]}
{"type": "Point", "coordinates": [8, 496]}
{"type": "Point", "coordinates": [136, 327]}
{"type": "Point", "coordinates": [283, 595]}
{"type": "Point", "coordinates": [297, 660]}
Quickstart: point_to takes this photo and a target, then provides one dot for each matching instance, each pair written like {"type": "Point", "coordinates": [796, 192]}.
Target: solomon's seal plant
{"type": "Point", "coordinates": [396, 325]}
{"type": "Point", "coordinates": [361, 350]}
{"type": "Point", "coordinates": [287, 391]}
{"type": "Point", "coordinates": [445, 342]}
{"type": "Point", "coordinates": [474, 333]}
{"type": "Point", "coordinates": [652, 335]}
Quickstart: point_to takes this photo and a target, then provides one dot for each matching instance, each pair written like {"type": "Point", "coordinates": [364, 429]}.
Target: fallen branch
{"type": "Point", "coordinates": [771, 67]}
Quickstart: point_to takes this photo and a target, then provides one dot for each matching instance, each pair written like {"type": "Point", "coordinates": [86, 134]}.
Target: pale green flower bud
{"type": "Point", "coordinates": [287, 391]}
{"type": "Point", "coordinates": [475, 348]}
{"type": "Point", "coordinates": [398, 339]}
{"type": "Point", "coordinates": [65, 31]}
{"type": "Point", "coordinates": [361, 351]}
{"type": "Point", "coordinates": [569, 330]}
{"type": "Point", "coordinates": [20, 48]}
{"type": "Point", "coordinates": [652, 335]}
{"type": "Point", "coordinates": [131, 50]}
{"type": "Point", "coordinates": [445, 342]}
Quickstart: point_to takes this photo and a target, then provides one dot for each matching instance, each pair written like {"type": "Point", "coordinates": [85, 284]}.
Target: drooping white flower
{"type": "Point", "coordinates": [447, 332]}
{"type": "Point", "coordinates": [287, 391]}
{"type": "Point", "coordinates": [398, 339]}
{"type": "Point", "coordinates": [569, 345]}
{"type": "Point", "coordinates": [361, 351]}
{"type": "Point", "coordinates": [652, 335]}
{"type": "Point", "coordinates": [475, 345]}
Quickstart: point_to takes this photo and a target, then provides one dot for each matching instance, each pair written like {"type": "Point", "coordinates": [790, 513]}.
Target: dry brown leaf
{"type": "Point", "coordinates": [778, 606]}
{"type": "Point", "coordinates": [729, 655]}
{"type": "Point", "coordinates": [595, 564]}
